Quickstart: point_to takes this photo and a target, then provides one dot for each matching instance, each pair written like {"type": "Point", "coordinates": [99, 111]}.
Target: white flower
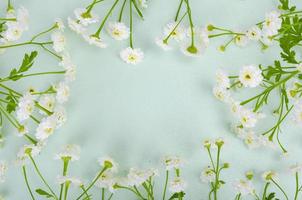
{"type": "Point", "coordinates": [177, 185]}
{"type": "Point", "coordinates": [70, 68]}
{"type": "Point", "coordinates": [272, 23]}
{"type": "Point", "coordinates": [60, 116]}
{"type": "Point", "coordinates": [22, 130]}
{"type": "Point", "coordinates": [241, 40]}
{"type": "Point", "coordinates": [250, 76]}
{"type": "Point", "coordinates": [268, 175]}
{"type": "Point", "coordinates": [84, 17]}
{"type": "Point", "coordinates": [46, 128]}
{"type": "Point", "coordinates": [222, 94]}
{"type": "Point", "coordinates": [297, 168]}
{"type": "Point", "coordinates": [136, 177]}
{"type": "Point", "coordinates": [204, 37]}
{"type": "Point", "coordinates": [118, 30]}
{"type": "Point", "coordinates": [47, 102]}
{"type": "Point", "coordinates": [26, 150]}
{"type": "Point", "coordinates": [3, 170]}
{"type": "Point", "coordinates": [75, 26]}
{"type": "Point", "coordinates": [68, 179]}
{"type": "Point", "coordinates": [297, 112]}
{"type": "Point", "coordinates": [106, 180]}
{"type": "Point", "coordinates": [191, 51]}
{"type": "Point", "coordinates": [62, 92]}
{"type": "Point", "coordinates": [173, 162]}
{"type": "Point", "coordinates": [247, 117]}
{"type": "Point", "coordinates": [222, 79]}
{"type": "Point", "coordinates": [14, 32]}
{"type": "Point", "coordinates": [178, 34]}
{"type": "Point", "coordinates": [69, 151]}
{"type": "Point", "coordinates": [59, 41]}
{"type": "Point", "coordinates": [244, 187]}
{"type": "Point", "coordinates": [207, 175]}
{"type": "Point", "coordinates": [59, 24]}
{"type": "Point", "coordinates": [162, 44]}
{"type": "Point", "coordinates": [254, 33]}
{"type": "Point", "coordinates": [132, 56]}
{"type": "Point", "coordinates": [25, 107]}
{"type": "Point", "coordinates": [97, 41]}
{"type": "Point", "coordinates": [109, 163]}
{"type": "Point", "coordinates": [23, 18]}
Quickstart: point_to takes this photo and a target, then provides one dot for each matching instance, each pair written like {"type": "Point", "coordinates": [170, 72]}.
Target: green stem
{"type": "Point", "coordinates": [166, 184]}
{"type": "Point", "coordinates": [97, 34]}
{"type": "Point", "coordinates": [65, 168]}
{"type": "Point", "coordinates": [93, 182]}
{"type": "Point", "coordinates": [191, 22]}
{"type": "Point", "coordinates": [27, 184]}
{"type": "Point", "coordinates": [121, 11]}
{"type": "Point", "coordinates": [178, 10]}
{"type": "Point", "coordinates": [265, 190]}
{"type": "Point", "coordinates": [25, 43]}
{"type": "Point", "coordinates": [8, 19]}
{"type": "Point", "coordinates": [297, 186]}
{"type": "Point", "coordinates": [29, 75]}
{"type": "Point", "coordinates": [43, 32]}
{"type": "Point", "coordinates": [41, 176]}
{"type": "Point", "coordinates": [103, 194]}
{"type": "Point", "coordinates": [67, 184]}
{"type": "Point", "coordinates": [175, 27]}
{"type": "Point", "coordinates": [131, 25]}
{"type": "Point", "coordinates": [280, 188]}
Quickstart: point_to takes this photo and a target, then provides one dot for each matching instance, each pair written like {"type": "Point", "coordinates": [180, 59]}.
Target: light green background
{"type": "Point", "coordinates": [137, 114]}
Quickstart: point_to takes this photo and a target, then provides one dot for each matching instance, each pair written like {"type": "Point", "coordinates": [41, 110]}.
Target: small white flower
{"type": "Point", "coordinates": [60, 116]}
{"type": "Point", "coordinates": [247, 117]}
{"type": "Point", "coordinates": [25, 107]}
{"type": "Point", "coordinates": [46, 128]}
{"type": "Point", "coordinates": [75, 26]}
{"type": "Point", "coordinates": [204, 37]}
{"type": "Point", "coordinates": [268, 175]}
{"type": "Point", "coordinates": [297, 112]}
{"type": "Point", "coordinates": [191, 51]}
{"type": "Point", "coordinates": [254, 33]}
{"type": "Point", "coordinates": [250, 76]}
{"type": "Point", "coordinates": [59, 41]}
{"type": "Point", "coordinates": [26, 150]}
{"type": "Point", "coordinates": [106, 181]}
{"type": "Point", "coordinates": [173, 162]}
{"type": "Point", "coordinates": [69, 151]}
{"type": "Point", "coordinates": [222, 94]}
{"type": "Point", "coordinates": [136, 177]}
{"type": "Point", "coordinates": [118, 30]}
{"type": "Point", "coordinates": [14, 32]}
{"type": "Point", "coordinates": [222, 79]}
{"type": "Point", "coordinates": [207, 175]}
{"type": "Point", "coordinates": [22, 130]}
{"type": "Point", "coordinates": [244, 187]}
{"type": "Point", "coordinates": [241, 40]}
{"type": "Point", "coordinates": [47, 102]}
{"type": "Point", "coordinates": [177, 185]}
{"type": "Point", "coordinates": [272, 23]}
{"type": "Point", "coordinates": [70, 68]}
{"type": "Point", "coordinates": [297, 168]}
{"type": "Point", "coordinates": [93, 40]}
{"type": "Point", "coordinates": [162, 44]}
{"type": "Point", "coordinates": [132, 56]}
{"type": "Point", "coordinates": [59, 24]}
{"type": "Point", "coordinates": [178, 34]}
{"type": "Point", "coordinates": [3, 170]}
{"type": "Point", "coordinates": [23, 18]}
{"type": "Point", "coordinates": [84, 17]}
{"type": "Point", "coordinates": [109, 163]}
{"type": "Point", "coordinates": [68, 179]}
{"type": "Point", "coordinates": [62, 92]}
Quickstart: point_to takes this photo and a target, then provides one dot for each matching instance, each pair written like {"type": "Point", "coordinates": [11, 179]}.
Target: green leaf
{"type": "Point", "coordinates": [139, 12]}
{"type": "Point", "coordinates": [177, 195]}
{"type": "Point", "coordinates": [12, 104]}
{"type": "Point", "coordinates": [28, 61]}
{"type": "Point", "coordinates": [43, 193]}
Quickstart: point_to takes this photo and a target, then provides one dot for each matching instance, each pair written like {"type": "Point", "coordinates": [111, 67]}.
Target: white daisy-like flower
{"type": "Point", "coordinates": [109, 163]}
{"type": "Point", "coordinates": [59, 41]}
{"type": "Point", "coordinates": [69, 151]}
{"type": "Point", "coordinates": [48, 102]}
{"type": "Point", "coordinates": [13, 32]}
{"type": "Point", "coordinates": [191, 51]}
{"type": "Point", "coordinates": [93, 40]}
{"type": "Point", "coordinates": [23, 18]}
{"type": "Point", "coordinates": [297, 113]}
{"type": "Point", "coordinates": [163, 44]}
{"type": "Point", "coordinates": [46, 128]}
{"type": "Point", "coordinates": [269, 175]}
{"type": "Point", "coordinates": [106, 181]}
{"type": "Point", "coordinates": [267, 39]}
{"type": "Point", "coordinates": [70, 68]}
{"type": "Point", "coordinates": [204, 37]}
{"type": "Point", "coordinates": [222, 94]}
{"type": "Point", "coordinates": [3, 170]}
{"type": "Point", "coordinates": [132, 56]}
{"type": "Point", "coordinates": [207, 175]}
{"type": "Point", "coordinates": [173, 162]}
{"type": "Point", "coordinates": [178, 34]}
{"type": "Point", "coordinates": [241, 40]}
{"type": "Point", "coordinates": [62, 90]}
{"type": "Point", "coordinates": [25, 107]}
{"type": "Point", "coordinates": [75, 26]}
{"type": "Point", "coordinates": [60, 116]}
{"type": "Point", "coordinates": [247, 117]}
{"type": "Point", "coordinates": [136, 177]}
{"type": "Point", "coordinates": [177, 185]}
{"type": "Point", "coordinates": [251, 140]}
{"type": "Point", "coordinates": [254, 33]}
{"type": "Point", "coordinates": [297, 168]}
{"type": "Point", "coordinates": [118, 30]}
{"type": "Point", "coordinates": [222, 79]}
{"type": "Point", "coordinates": [22, 130]}
{"type": "Point", "coordinates": [26, 150]}
{"type": "Point", "coordinates": [272, 23]}
{"type": "Point", "coordinates": [59, 24]}
{"type": "Point", "coordinates": [85, 18]}
{"type": "Point", "coordinates": [250, 76]}
{"type": "Point", "coordinates": [69, 179]}
{"type": "Point", "coordinates": [244, 187]}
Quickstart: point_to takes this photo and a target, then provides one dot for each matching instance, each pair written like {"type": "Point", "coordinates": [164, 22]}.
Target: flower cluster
{"type": "Point", "coordinates": [193, 40]}
{"type": "Point", "coordinates": [118, 30]}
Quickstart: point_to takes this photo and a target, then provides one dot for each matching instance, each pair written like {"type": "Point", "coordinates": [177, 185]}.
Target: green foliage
{"type": "Point", "coordinates": [284, 5]}
{"type": "Point", "coordinates": [44, 193]}
{"type": "Point", "coordinates": [177, 195]}
{"type": "Point", "coordinates": [12, 103]}
{"type": "Point", "coordinates": [271, 196]}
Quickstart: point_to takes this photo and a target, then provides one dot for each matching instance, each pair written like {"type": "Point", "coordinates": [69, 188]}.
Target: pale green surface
{"type": "Point", "coordinates": [163, 106]}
